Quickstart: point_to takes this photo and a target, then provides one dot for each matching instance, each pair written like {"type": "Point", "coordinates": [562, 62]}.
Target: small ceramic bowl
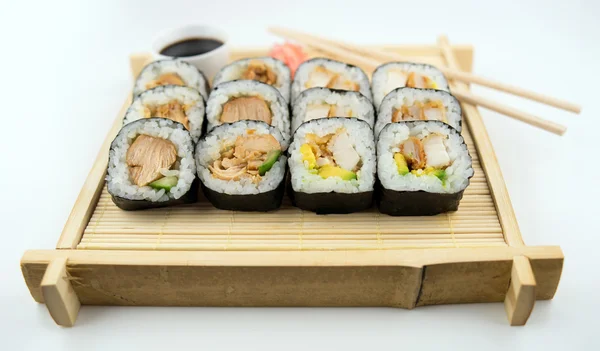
{"type": "Point", "coordinates": [210, 62]}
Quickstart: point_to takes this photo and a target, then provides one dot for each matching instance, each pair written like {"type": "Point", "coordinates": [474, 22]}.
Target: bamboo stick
{"type": "Point", "coordinates": [488, 216]}
{"type": "Point", "coordinates": [194, 214]}
{"type": "Point", "coordinates": [291, 220]}
{"type": "Point", "coordinates": [266, 242]}
{"type": "Point", "coordinates": [290, 247]}
{"type": "Point", "coordinates": [248, 219]}
{"type": "Point", "coordinates": [176, 237]}
{"type": "Point", "coordinates": [304, 231]}
{"type": "Point", "coordinates": [466, 77]}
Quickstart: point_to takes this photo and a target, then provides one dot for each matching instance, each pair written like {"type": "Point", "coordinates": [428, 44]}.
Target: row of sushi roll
{"type": "Point", "coordinates": [344, 141]}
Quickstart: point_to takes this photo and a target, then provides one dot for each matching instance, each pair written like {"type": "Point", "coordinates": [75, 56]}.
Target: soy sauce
{"type": "Point", "coordinates": [191, 47]}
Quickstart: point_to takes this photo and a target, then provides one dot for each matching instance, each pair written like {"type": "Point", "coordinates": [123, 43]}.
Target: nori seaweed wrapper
{"type": "Point", "coordinates": [415, 203]}
{"type": "Point", "coordinates": [394, 63]}
{"type": "Point", "coordinates": [261, 202]}
{"type": "Point", "coordinates": [366, 91]}
{"type": "Point", "coordinates": [133, 205]}
{"type": "Point", "coordinates": [191, 196]}
{"type": "Point", "coordinates": [459, 124]}
{"type": "Point", "coordinates": [419, 202]}
{"type": "Point", "coordinates": [154, 63]}
{"type": "Point", "coordinates": [368, 116]}
{"type": "Point", "coordinates": [331, 202]}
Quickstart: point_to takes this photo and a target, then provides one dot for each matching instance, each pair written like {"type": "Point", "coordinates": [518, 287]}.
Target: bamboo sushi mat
{"type": "Point", "coordinates": [202, 227]}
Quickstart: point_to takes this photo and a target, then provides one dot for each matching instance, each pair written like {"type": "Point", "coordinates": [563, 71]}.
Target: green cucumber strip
{"type": "Point", "coordinates": [272, 157]}
{"type": "Point", "coordinates": [164, 183]}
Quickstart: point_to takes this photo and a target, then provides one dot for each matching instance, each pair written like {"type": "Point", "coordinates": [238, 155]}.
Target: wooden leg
{"type": "Point", "coordinates": [520, 297]}
{"type": "Point", "coordinates": [59, 296]}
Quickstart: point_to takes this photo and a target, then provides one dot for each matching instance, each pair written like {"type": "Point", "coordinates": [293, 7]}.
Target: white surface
{"type": "Point", "coordinates": [65, 75]}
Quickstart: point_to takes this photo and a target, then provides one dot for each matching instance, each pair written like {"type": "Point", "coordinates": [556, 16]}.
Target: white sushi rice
{"type": "Point", "coordinates": [230, 90]}
{"type": "Point", "coordinates": [234, 71]}
{"type": "Point", "coordinates": [190, 75]}
{"type": "Point", "coordinates": [362, 140]}
{"type": "Point", "coordinates": [394, 134]}
{"type": "Point", "coordinates": [349, 72]}
{"type": "Point", "coordinates": [380, 78]}
{"type": "Point", "coordinates": [408, 96]}
{"type": "Point", "coordinates": [119, 183]}
{"type": "Point", "coordinates": [346, 102]}
{"type": "Point", "coordinates": [165, 94]}
{"type": "Point", "coordinates": [209, 149]}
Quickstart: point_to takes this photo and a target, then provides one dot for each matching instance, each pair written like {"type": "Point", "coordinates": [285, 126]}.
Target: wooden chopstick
{"type": "Point", "coordinates": [535, 121]}
{"type": "Point", "coordinates": [344, 54]}
{"type": "Point", "coordinates": [466, 77]}
{"type": "Point", "coordinates": [462, 88]}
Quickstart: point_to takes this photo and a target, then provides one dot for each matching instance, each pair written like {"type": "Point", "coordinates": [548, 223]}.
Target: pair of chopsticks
{"type": "Point", "coordinates": [371, 58]}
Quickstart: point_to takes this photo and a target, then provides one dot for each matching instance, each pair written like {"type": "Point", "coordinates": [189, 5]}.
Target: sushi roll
{"type": "Point", "coordinates": [151, 164]}
{"type": "Point", "coordinates": [423, 168]}
{"type": "Point", "coordinates": [263, 69]}
{"type": "Point", "coordinates": [242, 167]}
{"type": "Point", "coordinates": [171, 72]}
{"type": "Point", "coordinates": [248, 100]}
{"type": "Point", "coordinates": [392, 75]}
{"type": "Point", "coordinates": [316, 103]}
{"type": "Point", "coordinates": [180, 104]}
{"type": "Point", "coordinates": [410, 104]}
{"type": "Point", "coordinates": [332, 163]}
{"type": "Point", "coordinates": [322, 72]}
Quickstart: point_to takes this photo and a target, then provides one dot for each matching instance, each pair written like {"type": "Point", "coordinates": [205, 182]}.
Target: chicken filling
{"type": "Point", "coordinates": [165, 79]}
{"type": "Point", "coordinates": [427, 156]}
{"type": "Point", "coordinates": [153, 161]}
{"type": "Point", "coordinates": [246, 108]}
{"type": "Point", "coordinates": [398, 79]}
{"type": "Point", "coordinates": [321, 110]}
{"type": "Point", "coordinates": [173, 110]}
{"type": "Point", "coordinates": [322, 77]}
{"type": "Point", "coordinates": [250, 156]}
{"type": "Point", "coordinates": [431, 111]}
{"type": "Point", "coordinates": [332, 155]}
{"type": "Point", "coordinates": [258, 70]}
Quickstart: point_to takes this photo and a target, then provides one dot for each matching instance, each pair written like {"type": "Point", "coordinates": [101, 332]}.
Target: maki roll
{"type": "Point", "coordinates": [180, 104]}
{"type": "Point", "coordinates": [423, 167]}
{"type": "Point", "coordinates": [332, 163]}
{"type": "Point", "coordinates": [392, 75]}
{"type": "Point", "coordinates": [151, 164]}
{"type": "Point", "coordinates": [171, 72]}
{"type": "Point", "coordinates": [263, 69]}
{"type": "Point", "coordinates": [316, 103]}
{"type": "Point", "coordinates": [241, 166]}
{"type": "Point", "coordinates": [248, 100]}
{"type": "Point", "coordinates": [323, 72]}
{"type": "Point", "coordinates": [410, 104]}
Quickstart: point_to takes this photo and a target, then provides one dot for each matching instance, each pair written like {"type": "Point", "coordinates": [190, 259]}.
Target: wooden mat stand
{"type": "Point", "coordinates": [515, 274]}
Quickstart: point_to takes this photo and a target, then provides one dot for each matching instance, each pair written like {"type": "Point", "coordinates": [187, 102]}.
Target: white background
{"type": "Point", "coordinates": [65, 74]}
